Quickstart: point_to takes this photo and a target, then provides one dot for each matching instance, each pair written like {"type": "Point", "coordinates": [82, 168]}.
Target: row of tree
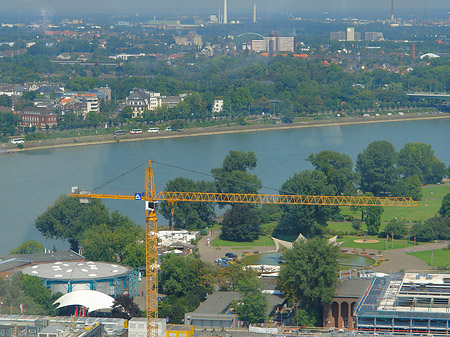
{"type": "Point", "coordinates": [380, 171]}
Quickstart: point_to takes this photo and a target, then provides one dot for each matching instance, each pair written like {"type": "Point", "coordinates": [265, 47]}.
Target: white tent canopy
{"type": "Point", "coordinates": [91, 299]}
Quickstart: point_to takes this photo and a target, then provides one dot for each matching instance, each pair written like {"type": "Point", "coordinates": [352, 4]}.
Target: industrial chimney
{"type": "Point", "coordinates": [225, 18]}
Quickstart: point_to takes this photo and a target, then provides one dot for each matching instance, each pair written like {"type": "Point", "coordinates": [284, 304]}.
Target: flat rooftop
{"type": "Point", "coordinates": [76, 271]}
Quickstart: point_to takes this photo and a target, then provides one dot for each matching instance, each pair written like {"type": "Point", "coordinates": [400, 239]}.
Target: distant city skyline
{"type": "Point", "coordinates": [203, 7]}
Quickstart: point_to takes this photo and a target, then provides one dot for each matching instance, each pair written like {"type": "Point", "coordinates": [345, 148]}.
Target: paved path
{"type": "Point", "coordinates": [210, 253]}
{"type": "Point", "coordinates": [400, 260]}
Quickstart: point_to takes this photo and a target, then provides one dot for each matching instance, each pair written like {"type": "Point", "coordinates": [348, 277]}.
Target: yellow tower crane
{"type": "Point", "coordinates": [152, 198]}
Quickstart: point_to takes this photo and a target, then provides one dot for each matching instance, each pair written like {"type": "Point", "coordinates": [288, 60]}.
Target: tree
{"type": "Point", "coordinates": [373, 219]}
{"type": "Point", "coordinates": [124, 307]}
{"type": "Point", "coordinates": [305, 219]}
{"type": "Point", "coordinates": [444, 211]}
{"type": "Point", "coordinates": [185, 275]}
{"type": "Point", "coordinates": [338, 168]}
{"type": "Point", "coordinates": [67, 219]}
{"type": "Point", "coordinates": [310, 274]}
{"type": "Point", "coordinates": [134, 255]}
{"type": "Point", "coordinates": [356, 224]}
{"type": "Point", "coordinates": [28, 247]}
{"type": "Point", "coordinates": [396, 228]}
{"type": "Point", "coordinates": [253, 308]}
{"type": "Point", "coordinates": [125, 114]}
{"type": "Point", "coordinates": [241, 223]}
{"type": "Point", "coordinates": [408, 187]}
{"type": "Point", "coordinates": [29, 95]}
{"type": "Point", "coordinates": [189, 215]}
{"type": "Point", "coordinates": [233, 177]}
{"type": "Point", "coordinates": [435, 228]}
{"type": "Point", "coordinates": [107, 241]}
{"type": "Point", "coordinates": [418, 159]}
{"type": "Point", "coordinates": [234, 277]}
{"type": "Point", "coordinates": [304, 318]}
{"type": "Point", "coordinates": [376, 165]}
{"type": "Point", "coordinates": [5, 100]}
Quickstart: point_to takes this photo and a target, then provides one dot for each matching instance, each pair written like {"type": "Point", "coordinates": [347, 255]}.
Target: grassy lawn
{"type": "Point", "coordinates": [262, 241]}
{"type": "Point", "coordinates": [441, 257]}
{"type": "Point", "coordinates": [427, 207]}
{"type": "Point", "coordinates": [348, 242]}
{"type": "Point", "coordinates": [347, 226]}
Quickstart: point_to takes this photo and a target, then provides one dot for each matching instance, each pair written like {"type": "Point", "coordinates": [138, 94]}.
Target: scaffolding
{"type": "Point", "coordinates": [410, 303]}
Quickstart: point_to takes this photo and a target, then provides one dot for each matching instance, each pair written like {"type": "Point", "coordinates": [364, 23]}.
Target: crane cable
{"type": "Point", "coordinates": [111, 180]}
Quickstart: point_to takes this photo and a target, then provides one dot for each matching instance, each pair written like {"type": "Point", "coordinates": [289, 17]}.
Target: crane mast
{"type": "Point", "coordinates": [151, 199]}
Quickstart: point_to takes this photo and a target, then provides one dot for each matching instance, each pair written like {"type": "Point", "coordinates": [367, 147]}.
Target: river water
{"type": "Point", "coordinates": [31, 181]}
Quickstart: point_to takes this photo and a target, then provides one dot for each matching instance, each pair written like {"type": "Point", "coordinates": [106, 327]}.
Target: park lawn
{"type": "Point", "coordinates": [346, 226]}
{"type": "Point", "coordinates": [427, 207]}
{"type": "Point", "coordinates": [348, 242]}
{"type": "Point", "coordinates": [262, 241]}
{"type": "Point", "coordinates": [441, 257]}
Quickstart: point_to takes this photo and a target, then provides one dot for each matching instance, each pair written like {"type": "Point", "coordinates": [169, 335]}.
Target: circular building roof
{"type": "Point", "coordinates": [91, 299]}
{"type": "Point", "coordinates": [76, 271]}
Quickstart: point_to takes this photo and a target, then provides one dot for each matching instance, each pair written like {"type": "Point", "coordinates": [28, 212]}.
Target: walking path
{"type": "Point", "coordinates": [210, 253]}
{"type": "Point", "coordinates": [398, 259]}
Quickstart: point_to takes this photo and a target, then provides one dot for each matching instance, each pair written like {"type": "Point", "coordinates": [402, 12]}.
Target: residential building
{"type": "Point", "coordinates": [170, 101]}
{"type": "Point", "coordinates": [413, 303]}
{"type": "Point", "coordinates": [191, 39]}
{"type": "Point", "coordinates": [350, 33]}
{"type": "Point", "coordinates": [217, 106]}
{"type": "Point", "coordinates": [38, 117]}
{"type": "Point", "coordinates": [259, 45]}
{"type": "Point", "coordinates": [88, 101]}
{"type": "Point", "coordinates": [340, 36]}
{"type": "Point", "coordinates": [274, 43]}
{"type": "Point", "coordinates": [141, 100]}
{"type": "Point", "coordinates": [373, 36]}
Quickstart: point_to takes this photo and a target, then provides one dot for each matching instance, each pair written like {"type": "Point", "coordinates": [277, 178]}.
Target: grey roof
{"type": "Point", "coordinates": [352, 287]}
{"type": "Point", "coordinates": [218, 302]}
{"type": "Point", "coordinates": [60, 255]}
{"type": "Point", "coordinates": [138, 94]}
{"type": "Point", "coordinates": [13, 262]}
{"type": "Point", "coordinates": [53, 329]}
{"type": "Point", "coordinates": [273, 301]}
{"type": "Point", "coordinates": [35, 109]}
{"type": "Point", "coordinates": [76, 271]}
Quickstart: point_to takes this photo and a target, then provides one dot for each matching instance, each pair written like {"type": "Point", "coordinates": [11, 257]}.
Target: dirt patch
{"type": "Point", "coordinates": [366, 241]}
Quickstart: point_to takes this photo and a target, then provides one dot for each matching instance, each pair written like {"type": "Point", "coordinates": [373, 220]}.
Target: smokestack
{"type": "Point", "coordinates": [392, 11]}
{"type": "Point", "coordinates": [220, 16]}
{"type": "Point", "coordinates": [413, 51]}
{"type": "Point", "coordinates": [225, 15]}
{"type": "Point", "coordinates": [254, 13]}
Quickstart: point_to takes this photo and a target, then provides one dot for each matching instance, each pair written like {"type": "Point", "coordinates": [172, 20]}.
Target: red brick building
{"type": "Point", "coordinates": [38, 117]}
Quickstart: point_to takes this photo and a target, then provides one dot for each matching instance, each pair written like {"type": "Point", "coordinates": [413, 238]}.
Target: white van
{"type": "Point", "coordinates": [18, 141]}
{"type": "Point", "coordinates": [153, 130]}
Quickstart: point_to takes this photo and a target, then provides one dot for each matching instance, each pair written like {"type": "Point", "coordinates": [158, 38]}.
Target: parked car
{"type": "Point", "coordinates": [231, 255]}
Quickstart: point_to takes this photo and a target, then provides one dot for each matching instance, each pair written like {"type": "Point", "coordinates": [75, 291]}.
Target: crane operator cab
{"type": "Point", "coordinates": [151, 206]}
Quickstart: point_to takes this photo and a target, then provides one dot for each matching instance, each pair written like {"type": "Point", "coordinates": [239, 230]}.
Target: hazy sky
{"type": "Point", "coordinates": [146, 7]}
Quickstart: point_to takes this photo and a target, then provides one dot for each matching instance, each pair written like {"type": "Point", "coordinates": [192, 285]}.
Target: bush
{"type": "Point", "coordinates": [436, 228]}
{"type": "Point", "coordinates": [20, 146]}
{"type": "Point", "coordinates": [337, 217]}
{"type": "Point", "coordinates": [397, 228]}
{"type": "Point", "coordinates": [356, 224]}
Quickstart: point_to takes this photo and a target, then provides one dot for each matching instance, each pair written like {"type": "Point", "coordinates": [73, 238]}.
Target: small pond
{"type": "Point", "coordinates": [275, 258]}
